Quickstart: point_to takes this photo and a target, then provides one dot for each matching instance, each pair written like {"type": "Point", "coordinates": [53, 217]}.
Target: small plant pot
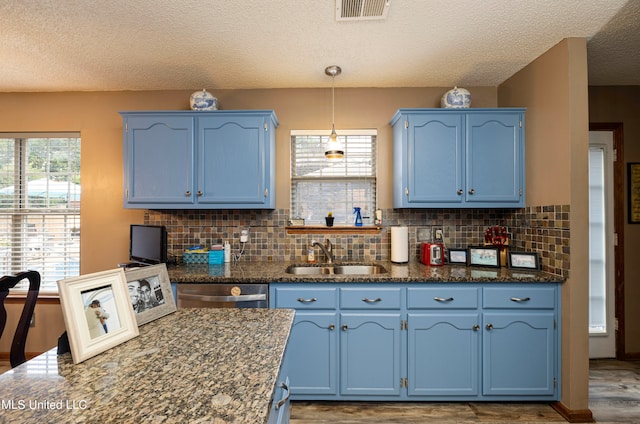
{"type": "Point", "coordinates": [329, 221]}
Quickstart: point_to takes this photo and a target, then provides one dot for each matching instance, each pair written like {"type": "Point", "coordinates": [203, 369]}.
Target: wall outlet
{"type": "Point", "coordinates": [438, 234]}
{"type": "Point", "coordinates": [244, 236]}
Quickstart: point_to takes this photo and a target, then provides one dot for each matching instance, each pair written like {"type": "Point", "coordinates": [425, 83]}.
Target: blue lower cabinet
{"type": "Point", "coordinates": [443, 354]}
{"type": "Point", "coordinates": [519, 354]}
{"type": "Point", "coordinates": [422, 341]}
{"type": "Point", "coordinates": [313, 353]}
{"type": "Point", "coordinates": [370, 354]}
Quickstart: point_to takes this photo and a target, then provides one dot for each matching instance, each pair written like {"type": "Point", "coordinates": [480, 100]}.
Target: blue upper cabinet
{"type": "Point", "coordinates": [199, 160]}
{"type": "Point", "coordinates": [462, 158]}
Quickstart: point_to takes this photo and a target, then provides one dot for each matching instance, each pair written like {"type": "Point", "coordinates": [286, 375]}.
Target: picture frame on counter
{"type": "Point", "coordinates": [487, 256]}
{"type": "Point", "coordinates": [97, 313]}
{"type": "Point", "coordinates": [457, 256]}
{"type": "Point", "coordinates": [523, 260]}
{"type": "Point", "coordinates": [150, 292]}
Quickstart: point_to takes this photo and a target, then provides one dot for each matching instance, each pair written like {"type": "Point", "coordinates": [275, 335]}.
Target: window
{"type": "Point", "coordinates": [40, 205]}
{"type": "Point", "coordinates": [319, 186]}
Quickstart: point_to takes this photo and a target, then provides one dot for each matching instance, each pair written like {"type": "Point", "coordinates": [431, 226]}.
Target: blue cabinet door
{"type": "Point", "coordinates": [435, 158]}
{"type": "Point", "coordinates": [232, 160]}
{"type": "Point", "coordinates": [519, 353]}
{"type": "Point", "coordinates": [495, 158]}
{"type": "Point", "coordinates": [158, 160]}
{"type": "Point", "coordinates": [443, 354]}
{"type": "Point", "coordinates": [370, 354]}
{"type": "Point", "coordinates": [312, 354]}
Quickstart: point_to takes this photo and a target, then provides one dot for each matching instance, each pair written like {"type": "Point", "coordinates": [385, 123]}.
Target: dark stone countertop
{"type": "Point", "coordinates": [192, 366]}
{"type": "Point", "coordinates": [412, 272]}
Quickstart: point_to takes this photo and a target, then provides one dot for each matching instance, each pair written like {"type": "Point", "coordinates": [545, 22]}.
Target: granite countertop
{"type": "Point", "coordinates": [195, 366]}
{"type": "Point", "coordinates": [268, 272]}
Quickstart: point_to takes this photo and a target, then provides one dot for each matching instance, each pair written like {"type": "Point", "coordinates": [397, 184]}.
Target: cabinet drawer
{"type": "Point", "coordinates": [312, 298]}
{"type": "Point", "coordinates": [442, 298]}
{"type": "Point", "coordinates": [519, 297]}
{"type": "Point", "coordinates": [373, 298]}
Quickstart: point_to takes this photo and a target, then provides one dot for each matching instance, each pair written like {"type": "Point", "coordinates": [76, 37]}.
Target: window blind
{"type": "Point", "coordinates": [40, 206]}
{"type": "Point", "coordinates": [319, 186]}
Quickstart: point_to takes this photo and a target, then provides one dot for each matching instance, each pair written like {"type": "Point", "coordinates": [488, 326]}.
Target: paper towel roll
{"type": "Point", "coordinates": [399, 244]}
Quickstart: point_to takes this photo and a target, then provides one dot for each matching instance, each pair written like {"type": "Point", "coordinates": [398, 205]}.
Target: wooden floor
{"type": "Point", "coordinates": [614, 397]}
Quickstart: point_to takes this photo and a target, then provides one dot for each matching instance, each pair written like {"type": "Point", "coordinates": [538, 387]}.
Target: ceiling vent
{"type": "Point", "coordinates": [361, 10]}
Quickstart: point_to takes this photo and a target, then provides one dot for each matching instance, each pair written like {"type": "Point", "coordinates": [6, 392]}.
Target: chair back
{"type": "Point", "coordinates": [17, 354]}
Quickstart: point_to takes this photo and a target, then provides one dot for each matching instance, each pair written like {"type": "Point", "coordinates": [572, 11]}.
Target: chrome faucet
{"type": "Point", "coordinates": [327, 249]}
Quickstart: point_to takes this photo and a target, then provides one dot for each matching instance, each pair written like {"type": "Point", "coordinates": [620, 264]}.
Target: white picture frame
{"type": "Point", "coordinates": [97, 312]}
{"type": "Point", "coordinates": [154, 294]}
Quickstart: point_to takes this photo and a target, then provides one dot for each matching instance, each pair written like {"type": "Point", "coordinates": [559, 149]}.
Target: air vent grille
{"type": "Point", "coordinates": [361, 10]}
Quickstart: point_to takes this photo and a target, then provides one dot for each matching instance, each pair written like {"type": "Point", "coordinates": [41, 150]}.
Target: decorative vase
{"type": "Point", "coordinates": [456, 98]}
{"type": "Point", "coordinates": [329, 220]}
{"type": "Point", "coordinates": [203, 101]}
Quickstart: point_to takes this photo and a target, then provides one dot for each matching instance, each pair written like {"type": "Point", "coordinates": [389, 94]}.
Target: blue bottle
{"type": "Point", "coordinates": [358, 217]}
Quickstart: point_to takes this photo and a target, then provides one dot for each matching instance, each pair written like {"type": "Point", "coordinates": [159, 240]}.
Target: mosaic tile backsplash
{"type": "Point", "coordinates": [543, 229]}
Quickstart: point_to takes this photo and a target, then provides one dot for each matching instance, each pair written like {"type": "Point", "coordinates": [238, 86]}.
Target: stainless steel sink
{"type": "Point", "coordinates": [359, 269]}
{"type": "Point", "coordinates": [336, 269]}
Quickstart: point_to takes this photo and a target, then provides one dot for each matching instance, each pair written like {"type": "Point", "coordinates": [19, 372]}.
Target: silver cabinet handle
{"type": "Point", "coordinates": [472, 191]}
{"type": "Point", "coordinates": [187, 193]}
{"type": "Point", "coordinates": [476, 327]}
{"type": "Point", "coordinates": [366, 299]}
{"type": "Point", "coordinates": [442, 299]}
{"type": "Point", "coordinates": [332, 327]}
{"type": "Point", "coordinates": [460, 192]}
{"type": "Point", "coordinates": [406, 191]}
{"type": "Point", "coordinates": [344, 327]}
{"type": "Point", "coordinates": [520, 299]}
{"type": "Point", "coordinates": [284, 399]}
{"type": "Point", "coordinates": [489, 326]}
{"type": "Point", "coordinates": [302, 300]}
{"type": "Point", "coordinates": [266, 192]}
{"type": "Point", "coordinates": [199, 193]}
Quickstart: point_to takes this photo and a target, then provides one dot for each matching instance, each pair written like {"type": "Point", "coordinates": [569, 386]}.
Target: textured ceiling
{"type": "Point", "coordinates": [84, 45]}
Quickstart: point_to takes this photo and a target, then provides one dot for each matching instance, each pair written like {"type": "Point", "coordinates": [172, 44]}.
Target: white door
{"type": "Point", "coordinates": [601, 246]}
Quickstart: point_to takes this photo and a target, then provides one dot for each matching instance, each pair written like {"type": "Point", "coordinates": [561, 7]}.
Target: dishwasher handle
{"type": "Point", "coordinates": [240, 298]}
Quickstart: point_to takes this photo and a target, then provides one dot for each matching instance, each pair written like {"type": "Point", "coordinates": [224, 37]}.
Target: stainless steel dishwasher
{"type": "Point", "coordinates": [223, 295]}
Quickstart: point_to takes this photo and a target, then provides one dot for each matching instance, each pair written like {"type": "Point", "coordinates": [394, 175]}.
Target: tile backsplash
{"type": "Point", "coordinates": [543, 229]}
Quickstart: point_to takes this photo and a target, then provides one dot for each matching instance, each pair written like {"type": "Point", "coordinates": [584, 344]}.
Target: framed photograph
{"type": "Point", "coordinates": [633, 184]}
{"type": "Point", "coordinates": [150, 292]}
{"type": "Point", "coordinates": [97, 312]}
{"type": "Point", "coordinates": [457, 256]}
{"type": "Point", "coordinates": [523, 260]}
{"type": "Point", "coordinates": [488, 256]}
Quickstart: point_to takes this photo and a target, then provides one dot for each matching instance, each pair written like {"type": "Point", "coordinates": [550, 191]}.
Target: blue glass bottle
{"type": "Point", "coordinates": [356, 211]}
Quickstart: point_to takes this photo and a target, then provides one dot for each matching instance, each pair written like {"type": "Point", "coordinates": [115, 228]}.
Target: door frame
{"type": "Point", "coordinates": [618, 227]}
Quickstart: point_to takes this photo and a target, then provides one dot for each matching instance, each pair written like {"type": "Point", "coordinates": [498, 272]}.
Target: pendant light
{"type": "Point", "coordinates": [333, 149]}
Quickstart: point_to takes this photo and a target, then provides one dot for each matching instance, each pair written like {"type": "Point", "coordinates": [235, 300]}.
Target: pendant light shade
{"type": "Point", "coordinates": [333, 149]}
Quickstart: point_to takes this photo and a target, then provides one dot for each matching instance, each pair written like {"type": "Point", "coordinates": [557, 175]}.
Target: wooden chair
{"type": "Point", "coordinates": [17, 355]}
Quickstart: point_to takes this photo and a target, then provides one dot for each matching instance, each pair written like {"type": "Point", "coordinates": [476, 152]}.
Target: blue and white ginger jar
{"type": "Point", "coordinates": [456, 98]}
{"type": "Point", "coordinates": [201, 100]}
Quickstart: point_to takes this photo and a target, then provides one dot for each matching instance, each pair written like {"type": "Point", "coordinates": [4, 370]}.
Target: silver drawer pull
{"type": "Point", "coordinates": [284, 399]}
{"type": "Point", "coordinates": [366, 299]}
{"type": "Point", "coordinates": [442, 299]}
{"type": "Point", "coordinates": [302, 300]}
{"type": "Point", "coordinates": [520, 299]}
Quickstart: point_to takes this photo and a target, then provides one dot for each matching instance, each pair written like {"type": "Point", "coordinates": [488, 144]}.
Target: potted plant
{"type": "Point", "coordinates": [329, 219]}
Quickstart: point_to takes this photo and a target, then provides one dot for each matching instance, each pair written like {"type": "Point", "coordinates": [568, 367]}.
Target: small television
{"type": "Point", "coordinates": [148, 244]}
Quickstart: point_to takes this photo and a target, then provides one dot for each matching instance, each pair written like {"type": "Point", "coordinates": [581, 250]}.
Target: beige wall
{"type": "Point", "coordinates": [554, 90]}
{"type": "Point", "coordinates": [48, 325]}
{"type": "Point", "coordinates": [622, 104]}
{"type": "Point", "coordinates": [104, 222]}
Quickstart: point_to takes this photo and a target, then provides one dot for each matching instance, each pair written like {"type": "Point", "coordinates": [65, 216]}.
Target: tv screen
{"type": "Point", "coordinates": [148, 244]}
